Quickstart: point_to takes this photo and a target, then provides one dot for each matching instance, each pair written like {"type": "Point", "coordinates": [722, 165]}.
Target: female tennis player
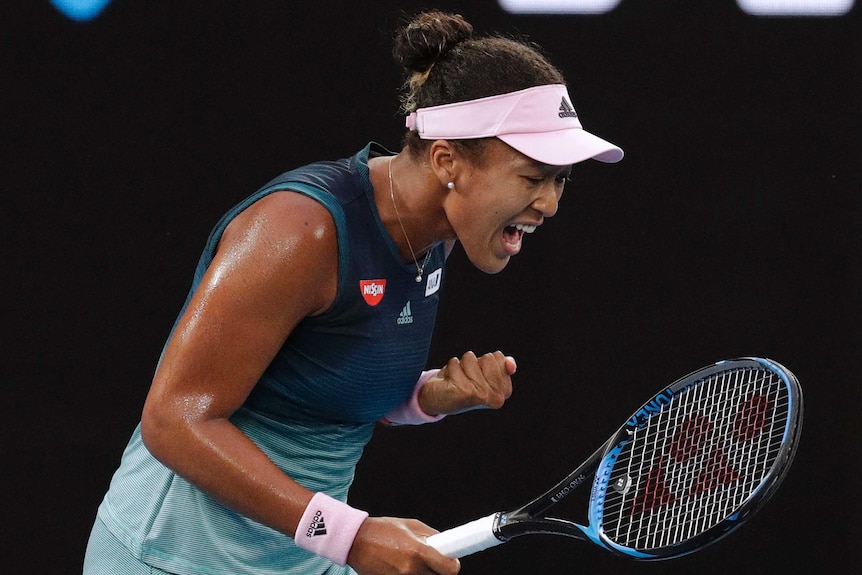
{"type": "Point", "coordinates": [310, 319]}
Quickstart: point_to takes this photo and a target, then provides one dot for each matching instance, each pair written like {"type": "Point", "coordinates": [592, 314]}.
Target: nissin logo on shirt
{"type": "Point", "coordinates": [372, 290]}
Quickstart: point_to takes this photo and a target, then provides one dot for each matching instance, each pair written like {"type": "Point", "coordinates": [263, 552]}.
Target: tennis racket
{"type": "Point", "coordinates": [687, 468]}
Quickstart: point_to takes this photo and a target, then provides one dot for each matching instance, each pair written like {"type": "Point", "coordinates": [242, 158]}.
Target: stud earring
{"type": "Point", "coordinates": [451, 185]}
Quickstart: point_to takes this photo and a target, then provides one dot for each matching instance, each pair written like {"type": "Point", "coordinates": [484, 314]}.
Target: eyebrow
{"type": "Point", "coordinates": [552, 170]}
{"type": "Point", "coordinates": [546, 170]}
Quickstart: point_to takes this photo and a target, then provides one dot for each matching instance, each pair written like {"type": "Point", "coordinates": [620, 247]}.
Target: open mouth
{"type": "Point", "coordinates": [513, 236]}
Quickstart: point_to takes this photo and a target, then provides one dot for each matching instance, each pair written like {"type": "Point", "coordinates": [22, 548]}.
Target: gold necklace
{"type": "Point", "coordinates": [419, 269]}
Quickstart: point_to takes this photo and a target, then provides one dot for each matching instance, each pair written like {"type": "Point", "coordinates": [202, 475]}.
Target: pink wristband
{"type": "Point", "coordinates": [328, 528]}
{"type": "Point", "coordinates": [409, 412]}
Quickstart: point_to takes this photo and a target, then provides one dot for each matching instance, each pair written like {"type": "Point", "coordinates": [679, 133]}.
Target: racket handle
{"type": "Point", "coordinates": [466, 539]}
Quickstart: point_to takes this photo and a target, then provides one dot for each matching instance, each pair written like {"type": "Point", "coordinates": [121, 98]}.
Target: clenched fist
{"type": "Point", "coordinates": [469, 383]}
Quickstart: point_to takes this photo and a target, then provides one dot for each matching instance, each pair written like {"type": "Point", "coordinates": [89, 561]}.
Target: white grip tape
{"type": "Point", "coordinates": [466, 539]}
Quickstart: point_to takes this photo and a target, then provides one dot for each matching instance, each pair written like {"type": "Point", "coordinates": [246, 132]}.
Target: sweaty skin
{"type": "Point", "coordinates": [245, 308]}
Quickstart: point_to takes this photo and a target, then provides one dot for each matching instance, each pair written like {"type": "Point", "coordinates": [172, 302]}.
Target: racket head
{"type": "Point", "coordinates": [697, 460]}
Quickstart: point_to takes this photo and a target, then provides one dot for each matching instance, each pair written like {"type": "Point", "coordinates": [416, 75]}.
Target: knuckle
{"type": "Point", "coordinates": [497, 401]}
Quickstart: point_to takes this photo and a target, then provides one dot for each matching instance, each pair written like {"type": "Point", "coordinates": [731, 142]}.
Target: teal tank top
{"type": "Point", "coordinates": [314, 408]}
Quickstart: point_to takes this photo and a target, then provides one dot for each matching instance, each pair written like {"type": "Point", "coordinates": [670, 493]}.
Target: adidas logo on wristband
{"type": "Point", "coordinates": [317, 526]}
{"type": "Point", "coordinates": [333, 536]}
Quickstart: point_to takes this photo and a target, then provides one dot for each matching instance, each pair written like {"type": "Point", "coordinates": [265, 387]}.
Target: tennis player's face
{"type": "Point", "coordinates": [498, 203]}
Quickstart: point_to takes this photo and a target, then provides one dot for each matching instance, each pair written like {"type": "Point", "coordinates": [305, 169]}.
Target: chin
{"type": "Point", "coordinates": [492, 266]}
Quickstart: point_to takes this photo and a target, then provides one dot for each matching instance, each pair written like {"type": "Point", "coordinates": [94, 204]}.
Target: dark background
{"type": "Point", "coordinates": [732, 227]}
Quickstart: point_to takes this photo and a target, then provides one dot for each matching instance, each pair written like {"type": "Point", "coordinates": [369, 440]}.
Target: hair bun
{"type": "Point", "coordinates": [421, 42]}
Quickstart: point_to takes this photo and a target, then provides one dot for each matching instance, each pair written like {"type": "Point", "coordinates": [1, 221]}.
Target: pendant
{"type": "Point", "coordinates": [418, 277]}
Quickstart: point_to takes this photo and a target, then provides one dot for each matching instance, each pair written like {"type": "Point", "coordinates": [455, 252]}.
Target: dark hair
{"type": "Point", "coordinates": [444, 63]}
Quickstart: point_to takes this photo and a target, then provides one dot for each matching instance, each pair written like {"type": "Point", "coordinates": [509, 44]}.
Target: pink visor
{"type": "Point", "coordinates": [539, 122]}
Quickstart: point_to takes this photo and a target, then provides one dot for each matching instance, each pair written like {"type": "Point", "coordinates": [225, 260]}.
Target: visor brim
{"type": "Point", "coordinates": [564, 147]}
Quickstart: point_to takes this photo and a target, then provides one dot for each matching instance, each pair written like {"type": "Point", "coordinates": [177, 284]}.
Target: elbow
{"type": "Point", "coordinates": [171, 425]}
{"type": "Point", "coordinates": [158, 431]}
{"type": "Point", "coordinates": [151, 429]}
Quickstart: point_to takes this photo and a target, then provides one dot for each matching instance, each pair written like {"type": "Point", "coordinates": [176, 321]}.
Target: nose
{"type": "Point", "coordinates": [548, 200]}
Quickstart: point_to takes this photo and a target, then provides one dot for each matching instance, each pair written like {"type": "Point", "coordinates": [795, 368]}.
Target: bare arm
{"type": "Point", "coordinates": [243, 310]}
{"type": "Point", "coordinates": [238, 318]}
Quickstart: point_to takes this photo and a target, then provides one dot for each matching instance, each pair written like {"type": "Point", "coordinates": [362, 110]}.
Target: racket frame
{"type": "Point", "coordinates": [528, 518]}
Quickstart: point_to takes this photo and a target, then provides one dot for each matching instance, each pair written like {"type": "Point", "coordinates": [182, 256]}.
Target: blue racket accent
{"type": "Point", "coordinates": [601, 484]}
{"type": "Point", "coordinates": [688, 472]}
{"type": "Point", "coordinates": [687, 468]}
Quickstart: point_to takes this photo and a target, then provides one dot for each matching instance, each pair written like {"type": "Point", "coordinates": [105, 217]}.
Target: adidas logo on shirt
{"type": "Point", "coordinates": [317, 527]}
{"type": "Point", "coordinates": [566, 109]}
{"type": "Point", "coordinates": [405, 316]}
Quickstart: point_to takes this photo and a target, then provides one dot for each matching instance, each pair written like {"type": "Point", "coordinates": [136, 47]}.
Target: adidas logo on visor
{"type": "Point", "coordinates": [566, 109]}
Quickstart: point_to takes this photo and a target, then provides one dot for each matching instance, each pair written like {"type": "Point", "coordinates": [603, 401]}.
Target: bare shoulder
{"type": "Point", "coordinates": [289, 240]}
{"type": "Point", "coordinates": [286, 214]}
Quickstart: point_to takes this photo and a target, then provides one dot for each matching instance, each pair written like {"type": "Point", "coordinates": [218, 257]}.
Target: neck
{"type": "Point", "coordinates": [410, 219]}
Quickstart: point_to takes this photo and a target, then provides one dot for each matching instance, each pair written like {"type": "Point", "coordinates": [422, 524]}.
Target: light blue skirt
{"type": "Point", "coordinates": [163, 521]}
{"type": "Point", "coordinates": [107, 556]}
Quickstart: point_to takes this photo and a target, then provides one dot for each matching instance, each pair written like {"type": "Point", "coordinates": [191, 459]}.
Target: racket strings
{"type": "Point", "coordinates": [697, 461]}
